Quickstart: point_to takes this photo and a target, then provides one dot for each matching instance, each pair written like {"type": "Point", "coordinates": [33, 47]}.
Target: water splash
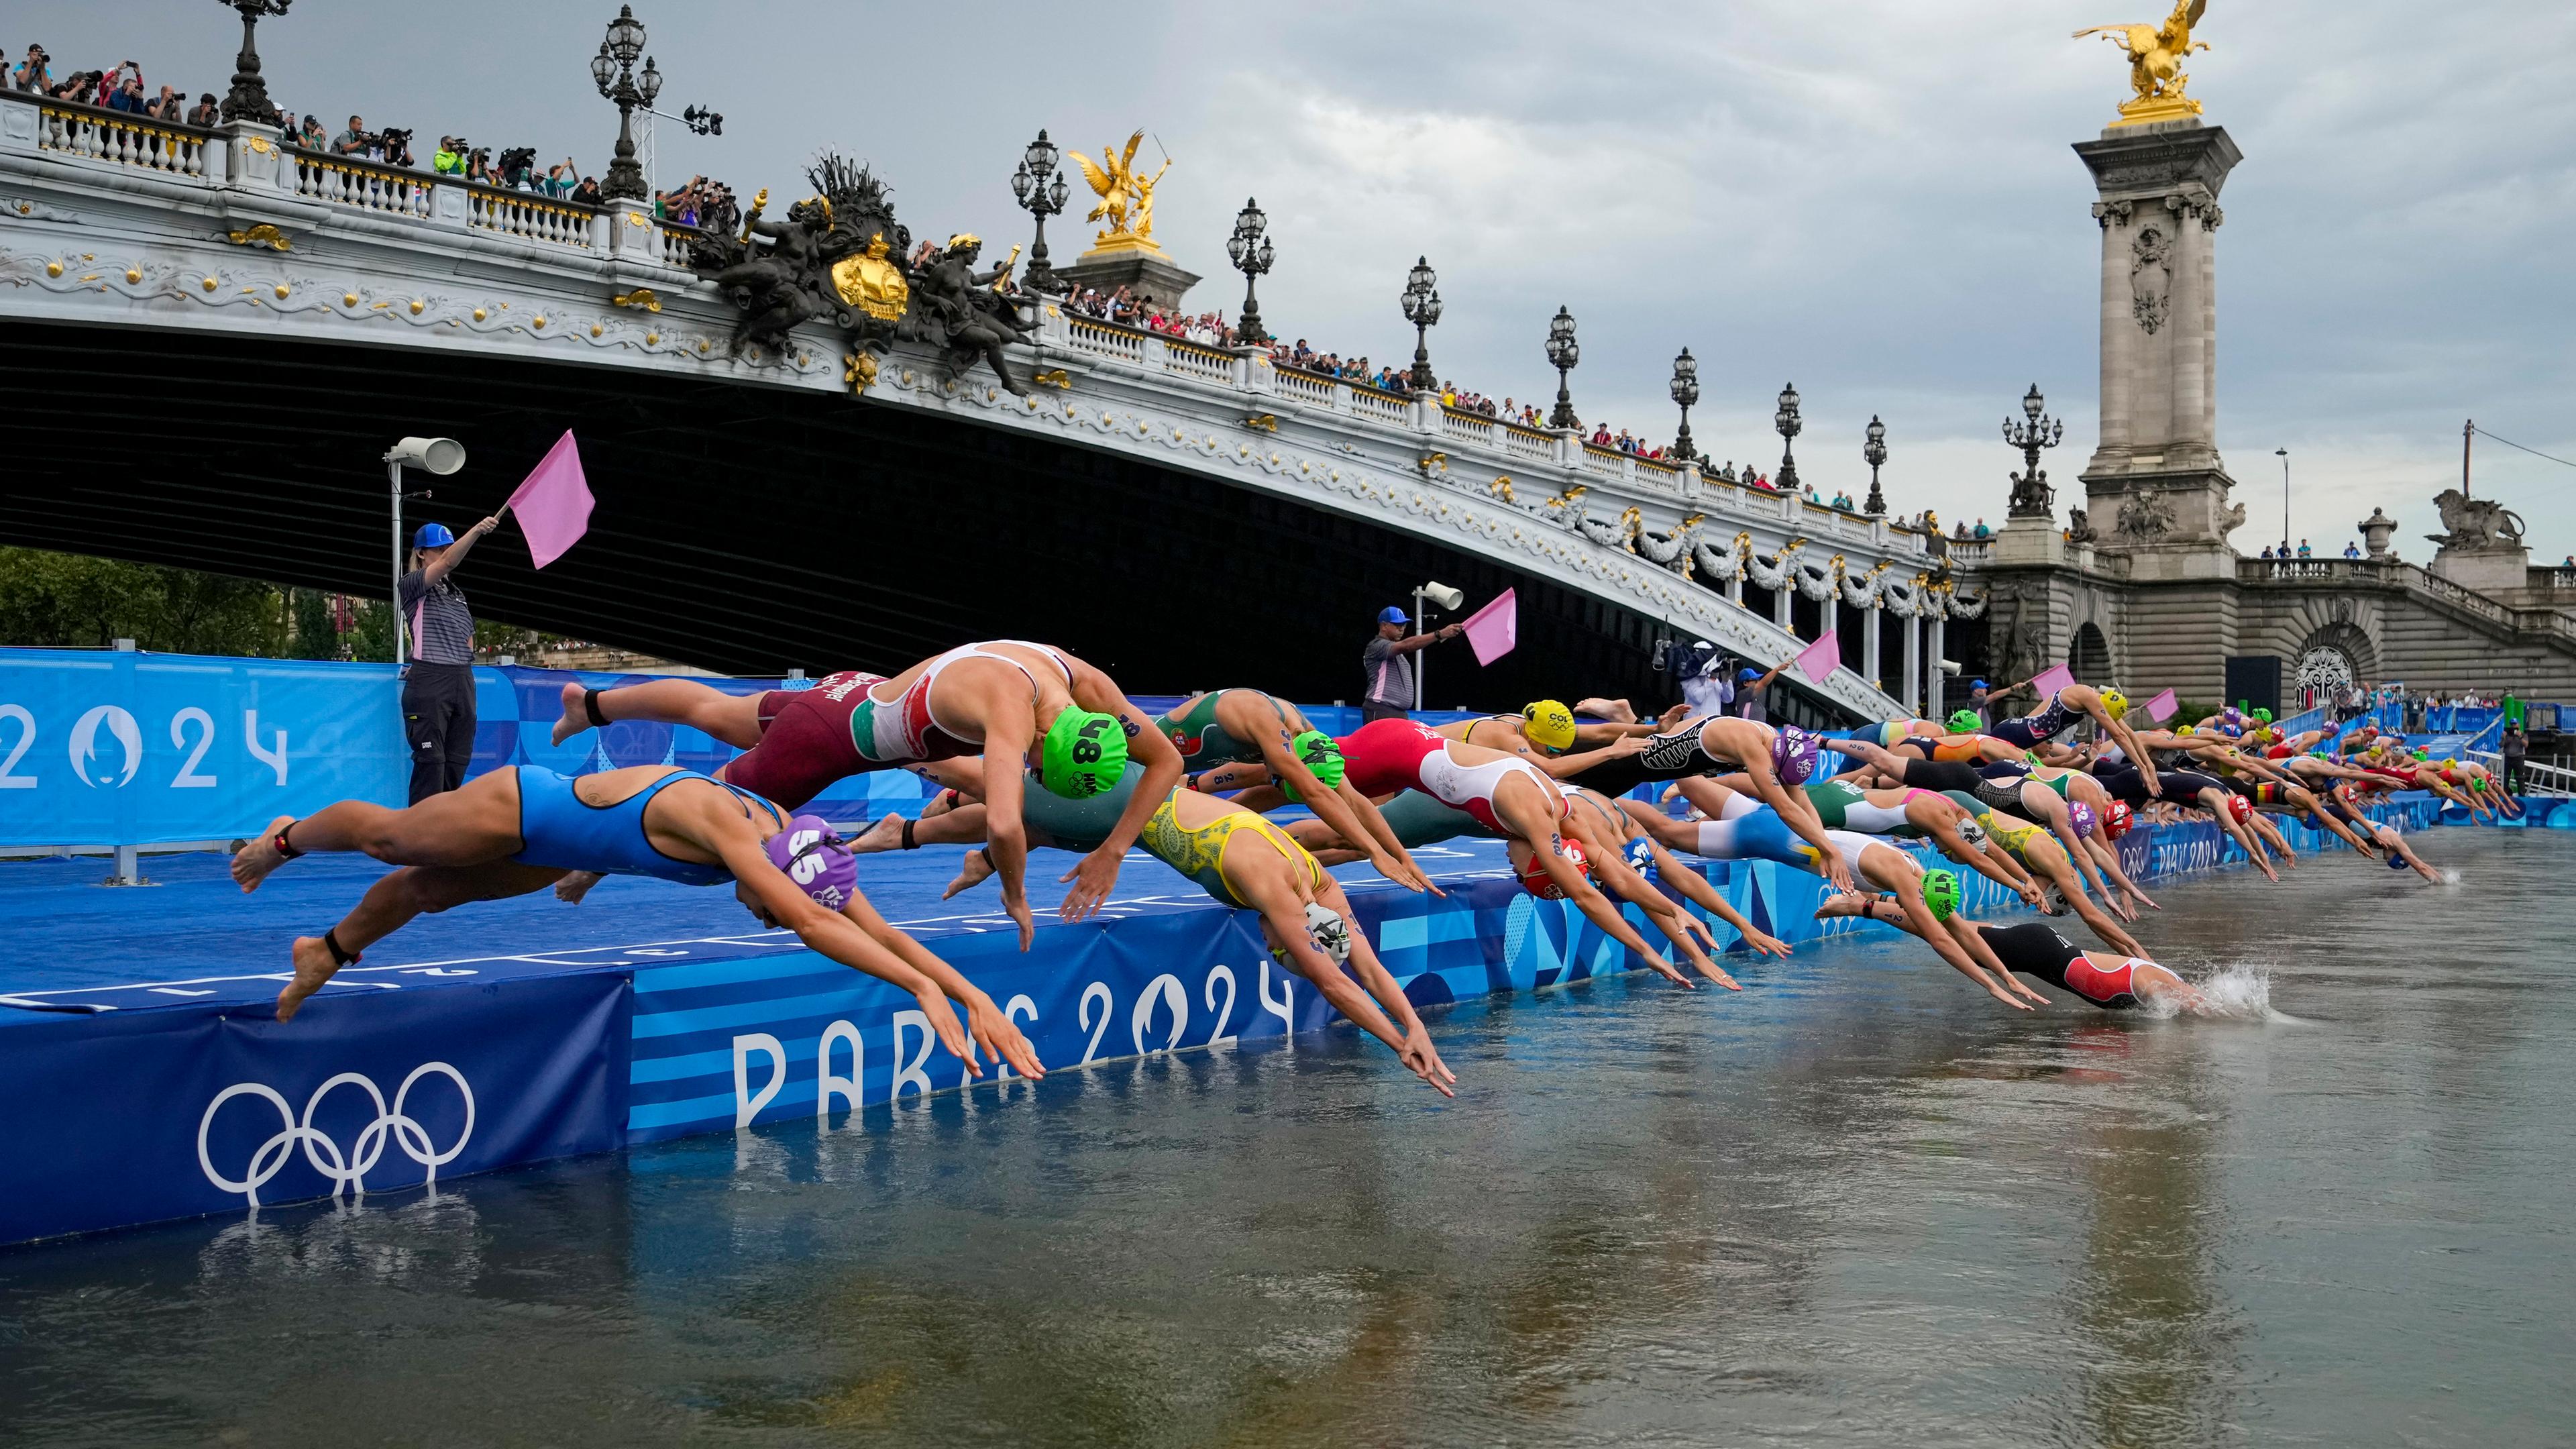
{"type": "Point", "coordinates": [2233, 992]}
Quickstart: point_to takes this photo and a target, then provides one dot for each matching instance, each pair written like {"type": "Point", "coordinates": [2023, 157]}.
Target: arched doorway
{"type": "Point", "coordinates": [2090, 656]}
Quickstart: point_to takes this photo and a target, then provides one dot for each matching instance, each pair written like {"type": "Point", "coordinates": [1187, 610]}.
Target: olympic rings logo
{"type": "Point", "coordinates": [344, 1170]}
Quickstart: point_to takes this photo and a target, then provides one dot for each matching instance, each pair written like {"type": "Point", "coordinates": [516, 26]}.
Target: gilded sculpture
{"type": "Point", "coordinates": [2156, 54]}
{"type": "Point", "coordinates": [1126, 199]}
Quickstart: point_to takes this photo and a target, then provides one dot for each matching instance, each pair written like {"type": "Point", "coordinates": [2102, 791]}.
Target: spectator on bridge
{"type": "Point", "coordinates": [2351, 550]}
{"type": "Point", "coordinates": [171, 105]}
{"type": "Point", "coordinates": [33, 74]}
{"type": "Point", "coordinates": [2303, 548]}
{"type": "Point", "coordinates": [312, 138]}
{"type": "Point", "coordinates": [2267, 550]}
{"type": "Point", "coordinates": [206, 112]}
{"type": "Point", "coordinates": [128, 96]}
{"type": "Point", "coordinates": [438, 687]}
{"type": "Point", "coordinates": [353, 141]}
{"type": "Point", "coordinates": [588, 192]}
{"type": "Point", "coordinates": [449, 158]}
{"type": "Point", "coordinates": [2515, 746]}
{"type": "Point", "coordinates": [1982, 530]}
{"type": "Point", "coordinates": [1392, 693]}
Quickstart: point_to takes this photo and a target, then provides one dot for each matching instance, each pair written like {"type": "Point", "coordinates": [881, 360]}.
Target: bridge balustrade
{"type": "Point", "coordinates": [128, 140]}
{"type": "Point", "coordinates": [370, 185]}
{"type": "Point", "coordinates": [529, 217]}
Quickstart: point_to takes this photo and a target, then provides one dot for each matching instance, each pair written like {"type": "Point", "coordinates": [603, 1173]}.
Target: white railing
{"type": "Point", "coordinates": [122, 138]}
{"type": "Point", "coordinates": [1465, 425]}
{"type": "Point", "coordinates": [1306, 385]}
{"type": "Point", "coordinates": [1604, 462]}
{"type": "Point", "coordinates": [1526, 444]}
{"type": "Point", "coordinates": [342, 181]}
{"type": "Point", "coordinates": [1655, 474]}
{"type": "Point", "coordinates": [1192, 360]}
{"type": "Point", "coordinates": [1970, 551]}
{"type": "Point", "coordinates": [1370, 403]}
{"type": "Point", "coordinates": [529, 218]}
{"type": "Point", "coordinates": [1104, 339]}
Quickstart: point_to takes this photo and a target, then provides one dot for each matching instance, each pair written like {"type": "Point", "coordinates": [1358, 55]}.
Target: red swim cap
{"type": "Point", "coordinates": [2241, 808]}
{"type": "Point", "coordinates": [1534, 876]}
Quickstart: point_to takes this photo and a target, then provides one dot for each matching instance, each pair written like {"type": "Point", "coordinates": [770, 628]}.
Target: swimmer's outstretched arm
{"type": "Point", "coordinates": [2107, 856]}
{"type": "Point", "coordinates": [1695, 887]}
{"type": "Point", "coordinates": [985, 1021]}
{"type": "Point", "coordinates": [1283, 921]}
{"type": "Point", "coordinates": [1980, 964]}
{"type": "Point", "coordinates": [1539, 834]}
{"type": "Point", "coordinates": [1604, 849]}
{"type": "Point", "coordinates": [1415, 1049]}
{"type": "Point", "coordinates": [2094, 917]}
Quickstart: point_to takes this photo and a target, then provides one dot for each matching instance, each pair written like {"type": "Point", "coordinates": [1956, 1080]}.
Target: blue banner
{"type": "Point", "coordinates": [134, 1117]}
{"type": "Point", "coordinates": [104, 748]}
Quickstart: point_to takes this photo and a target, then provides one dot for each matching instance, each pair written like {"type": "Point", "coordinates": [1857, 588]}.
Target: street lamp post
{"type": "Point", "coordinates": [1562, 354]}
{"type": "Point", "coordinates": [1041, 190]}
{"type": "Point", "coordinates": [2284, 455]}
{"type": "Point", "coordinates": [248, 100]}
{"type": "Point", "coordinates": [1249, 249]}
{"type": "Point", "coordinates": [1421, 302]}
{"type": "Point", "coordinates": [1790, 425]}
{"type": "Point", "coordinates": [613, 69]}
{"type": "Point", "coordinates": [2031, 495]}
{"type": "Point", "coordinates": [1685, 389]}
{"type": "Point", "coordinates": [1874, 452]}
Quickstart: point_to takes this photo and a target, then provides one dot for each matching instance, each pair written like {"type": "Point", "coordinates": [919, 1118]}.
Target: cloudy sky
{"type": "Point", "coordinates": [1873, 198]}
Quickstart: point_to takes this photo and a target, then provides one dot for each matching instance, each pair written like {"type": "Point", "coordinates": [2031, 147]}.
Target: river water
{"type": "Point", "coordinates": [1855, 1205]}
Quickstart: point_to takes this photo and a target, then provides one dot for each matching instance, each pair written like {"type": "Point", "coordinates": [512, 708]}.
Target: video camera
{"type": "Point", "coordinates": [516, 163]}
{"type": "Point", "coordinates": [393, 144]}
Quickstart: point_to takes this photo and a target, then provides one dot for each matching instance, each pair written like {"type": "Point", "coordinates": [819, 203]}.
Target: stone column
{"type": "Point", "coordinates": [1932, 675]}
{"type": "Point", "coordinates": [1784, 600]}
{"type": "Point", "coordinates": [1913, 695]}
{"type": "Point", "coordinates": [2155, 488]}
{"type": "Point", "coordinates": [1735, 590]}
{"type": "Point", "coordinates": [1869, 644]}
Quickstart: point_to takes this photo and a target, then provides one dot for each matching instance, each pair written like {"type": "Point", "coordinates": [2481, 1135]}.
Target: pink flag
{"type": "Point", "coordinates": [1493, 630]}
{"type": "Point", "coordinates": [2161, 708]}
{"type": "Point", "coordinates": [554, 504]}
{"type": "Point", "coordinates": [1819, 660]}
{"type": "Point", "coordinates": [2057, 678]}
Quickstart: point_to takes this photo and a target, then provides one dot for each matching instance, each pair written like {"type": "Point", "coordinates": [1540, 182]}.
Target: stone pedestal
{"type": "Point", "coordinates": [2498, 569]}
{"type": "Point", "coordinates": [2155, 484]}
{"type": "Point", "coordinates": [2028, 543]}
{"type": "Point", "coordinates": [1147, 275]}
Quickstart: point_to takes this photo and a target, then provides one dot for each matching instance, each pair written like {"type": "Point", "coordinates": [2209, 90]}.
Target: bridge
{"type": "Point", "coordinates": [220, 333]}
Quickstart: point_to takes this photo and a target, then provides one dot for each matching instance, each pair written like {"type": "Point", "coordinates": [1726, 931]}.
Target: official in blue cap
{"type": "Point", "coordinates": [438, 684]}
{"type": "Point", "coordinates": [1391, 693]}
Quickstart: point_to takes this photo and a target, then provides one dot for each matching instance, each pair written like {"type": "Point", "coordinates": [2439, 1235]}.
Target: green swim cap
{"type": "Point", "coordinates": [2262, 716]}
{"type": "Point", "coordinates": [1941, 893]}
{"type": "Point", "coordinates": [1966, 721]}
{"type": "Point", "coordinates": [1084, 754]}
{"type": "Point", "coordinates": [1321, 755]}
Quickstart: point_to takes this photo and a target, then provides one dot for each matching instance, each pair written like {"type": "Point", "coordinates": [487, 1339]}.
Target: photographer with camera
{"type": "Point", "coordinates": [206, 113]}
{"type": "Point", "coordinates": [33, 75]}
{"type": "Point", "coordinates": [449, 158]}
{"type": "Point", "coordinates": [516, 164]}
{"type": "Point", "coordinates": [353, 141]}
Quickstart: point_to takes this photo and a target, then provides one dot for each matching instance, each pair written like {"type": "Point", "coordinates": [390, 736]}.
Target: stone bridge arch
{"type": "Point", "coordinates": [2088, 653]}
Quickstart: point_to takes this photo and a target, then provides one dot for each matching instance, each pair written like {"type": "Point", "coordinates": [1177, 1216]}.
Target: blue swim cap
{"type": "Point", "coordinates": [432, 535]}
{"type": "Point", "coordinates": [1641, 857]}
{"type": "Point", "coordinates": [2396, 861]}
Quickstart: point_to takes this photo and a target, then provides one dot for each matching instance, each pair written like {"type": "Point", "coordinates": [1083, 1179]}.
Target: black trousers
{"type": "Point", "coordinates": [1372, 710]}
{"type": "Point", "coordinates": [438, 721]}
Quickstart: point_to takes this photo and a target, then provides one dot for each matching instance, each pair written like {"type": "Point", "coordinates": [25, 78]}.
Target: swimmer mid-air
{"type": "Point", "coordinates": [520, 829]}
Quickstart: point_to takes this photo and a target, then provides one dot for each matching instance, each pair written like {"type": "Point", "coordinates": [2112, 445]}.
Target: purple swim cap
{"type": "Point", "coordinates": [817, 859]}
{"type": "Point", "coordinates": [1793, 755]}
{"type": "Point", "coordinates": [2082, 815]}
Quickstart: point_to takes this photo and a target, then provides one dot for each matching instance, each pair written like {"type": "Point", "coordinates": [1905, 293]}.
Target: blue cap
{"type": "Point", "coordinates": [432, 535]}
{"type": "Point", "coordinates": [1393, 615]}
{"type": "Point", "coordinates": [1976, 684]}
{"type": "Point", "coordinates": [1747, 676]}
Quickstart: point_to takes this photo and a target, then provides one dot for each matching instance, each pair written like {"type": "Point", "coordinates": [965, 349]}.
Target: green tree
{"type": "Point", "coordinates": [66, 599]}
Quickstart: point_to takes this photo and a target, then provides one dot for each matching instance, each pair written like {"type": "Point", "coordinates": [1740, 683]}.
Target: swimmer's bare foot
{"type": "Point", "coordinates": [886, 834]}
{"type": "Point", "coordinates": [576, 717]}
{"type": "Point", "coordinates": [253, 862]}
{"type": "Point", "coordinates": [972, 872]}
{"type": "Point", "coordinates": [1845, 903]}
{"type": "Point", "coordinates": [314, 969]}
{"type": "Point", "coordinates": [573, 887]}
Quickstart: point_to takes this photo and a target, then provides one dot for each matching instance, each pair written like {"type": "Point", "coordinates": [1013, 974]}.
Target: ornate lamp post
{"type": "Point", "coordinates": [248, 100]}
{"type": "Point", "coordinates": [1421, 303]}
{"type": "Point", "coordinates": [1790, 425]}
{"type": "Point", "coordinates": [2031, 495]}
{"type": "Point", "coordinates": [614, 71]}
{"type": "Point", "coordinates": [1685, 392]}
{"type": "Point", "coordinates": [1874, 452]}
{"type": "Point", "coordinates": [1041, 190]}
{"type": "Point", "coordinates": [1249, 249]}
{"type": "Point", "coordinates": [1562, 354]}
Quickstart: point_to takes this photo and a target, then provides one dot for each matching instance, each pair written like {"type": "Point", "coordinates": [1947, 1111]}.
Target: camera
{"type": "Point", "coordinates": [516, 163]}
{"type": "Point", "coordinates": [394, 145]}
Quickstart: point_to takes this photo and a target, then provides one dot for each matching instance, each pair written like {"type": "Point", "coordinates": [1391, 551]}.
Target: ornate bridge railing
{"type": "Point", "coordinates": [368, 185]}
{"type": "Point", "coordinates": [129, 140]}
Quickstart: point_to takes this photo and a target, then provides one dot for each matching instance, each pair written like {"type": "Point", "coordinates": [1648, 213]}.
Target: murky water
{"type": "Point", "coordinates": [1853, 1205]}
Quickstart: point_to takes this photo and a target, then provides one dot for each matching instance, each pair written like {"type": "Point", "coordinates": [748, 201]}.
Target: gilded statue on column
{"type": "Point", "coordinates": [1126, 198]}
{"type": "Point", "coordinates": [2156, 54]}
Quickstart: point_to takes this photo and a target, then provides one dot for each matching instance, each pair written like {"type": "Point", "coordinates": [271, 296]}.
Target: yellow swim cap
{"type": "Point", "coordinates": [1549, 725]}
{"type": "Point", "coordinates": [2116, 703]}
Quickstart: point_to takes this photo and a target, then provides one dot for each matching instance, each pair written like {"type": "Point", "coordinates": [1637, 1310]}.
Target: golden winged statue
{"type": "Point", "coordinates": [1126, 199]}
{"type": "Point", "coordinates": [2156, 55]}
